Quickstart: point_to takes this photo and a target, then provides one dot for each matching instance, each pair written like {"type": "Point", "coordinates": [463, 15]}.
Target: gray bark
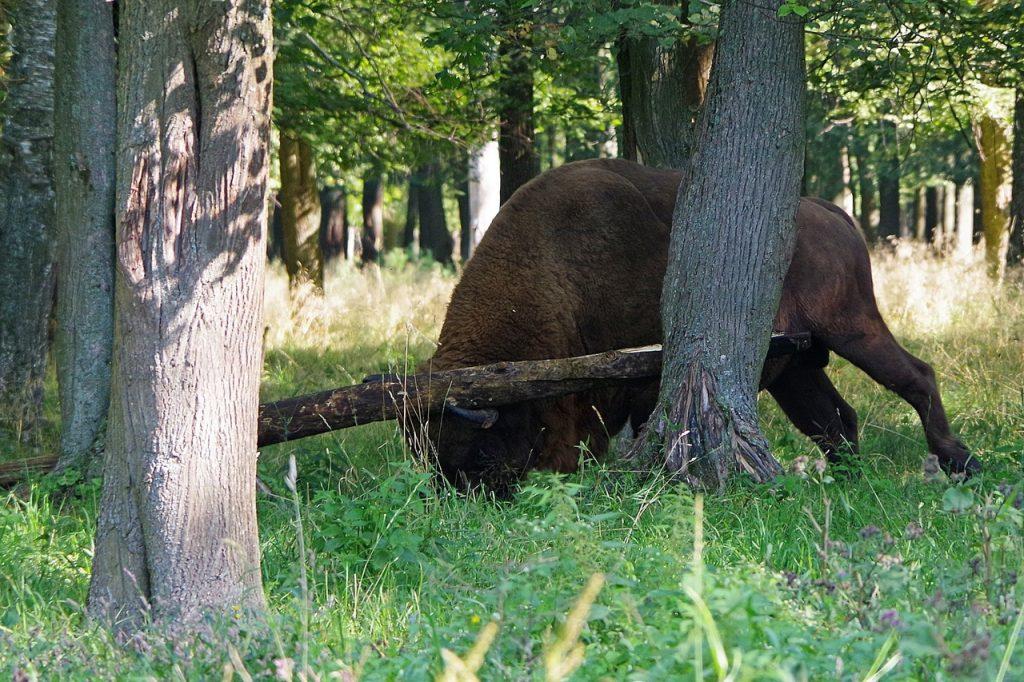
{"type": "Point", "coordinates": [85, 114]}
{"type": "Point", "coordinates": [963, 241]}
{"type": "Point", "coordinates": [732, 239]}
{"type": "Point", "coordinates": [176, 535]}
{"type": "Point", "coordinates": [662, 95]}
{"type": "Point", "coordinates": [484, 190]}
{"type": "Point", "coordinates": [26, 214]}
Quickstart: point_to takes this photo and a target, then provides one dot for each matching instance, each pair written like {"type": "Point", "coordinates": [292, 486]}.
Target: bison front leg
{"type": "Point", "coordinates": [812, 403]}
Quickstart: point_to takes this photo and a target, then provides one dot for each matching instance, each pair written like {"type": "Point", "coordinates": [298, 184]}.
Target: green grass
{"type": "Point", "coordinates": [914, 579]}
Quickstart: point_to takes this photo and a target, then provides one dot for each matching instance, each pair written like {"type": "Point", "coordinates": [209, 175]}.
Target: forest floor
{"type": "Point", "coordinates": [889, 572]}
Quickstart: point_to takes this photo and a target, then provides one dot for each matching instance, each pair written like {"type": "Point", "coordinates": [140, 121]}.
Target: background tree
{"type": "Point", "coordinates": [732, 238]}
{"type": "Point", "coordinates": [176, 534]}
{"type": "Point", "coordinates": [373, 217]}
{"type": "Point", "coordinates": [300, 212]}
{"type": "Point", "coordinates": [26, 213]}
{"type": "Point", "coordinates": [84, 114]}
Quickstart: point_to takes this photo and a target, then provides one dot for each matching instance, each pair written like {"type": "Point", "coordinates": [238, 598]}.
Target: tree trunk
{"type": "Point", "coordinates": [26, 214]}
{"type": "Point", "coordinates": [85, 110]}
{"type": "Point", "coordinates": [963, 241]}
{"type": "Point", "coordinates": [732, 239]}
{"type": "Point", "coordinates": [889, 186]}
{"type": "Point", "coordinates": [627, 129]}
{"type": "Point", "coordinates": [300, 213]}
{"type": "Point", "coordinates": [465, 217]}
{"type": "Point", "coordinates": [932, 205]}
{"type": "Point", "coordinates": [434, 235]}
{"type": "Point", "coordinates": [176, 535]}
{"type": "Point", "coordinates": [484, 190]}
{"type": "Point", "coordinates": [866, 190]}
{"type": "Point", "coordinates": [994, 187]}
{"type": "Point", "coordinates": [919, 214]}
{"type": "Point", "coordinates": [516, 137]}
{"type": "Point", "coordinates": [666, 86]}
{"type": "Point", "coordinates": [948, 216]}
{"type": "Point", "coordinates": [412, 212]}
{"type": "Point", "coordinates": [1015, 252]}
{"type": "Point", "coordinates": [275, 233]}
{"type": "Point", "coordinates": [373, 218]}
{"type": "Point", "coordinates": [333, 222]}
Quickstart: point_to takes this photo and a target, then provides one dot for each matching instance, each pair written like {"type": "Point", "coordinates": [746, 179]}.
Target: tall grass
{"type": "Point", "coordinates": [889, 573]}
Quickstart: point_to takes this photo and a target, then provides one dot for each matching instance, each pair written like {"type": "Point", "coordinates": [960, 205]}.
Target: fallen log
{"type": "Point", "coordinates": [487, 386]}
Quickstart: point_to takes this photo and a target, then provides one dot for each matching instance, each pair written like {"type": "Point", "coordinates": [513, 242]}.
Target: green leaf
{"type": "Point", "coordinates": [957, 499]}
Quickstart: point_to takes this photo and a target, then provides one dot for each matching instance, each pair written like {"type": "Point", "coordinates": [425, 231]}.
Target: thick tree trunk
{"type": "Point", "coordinates": [26, 214]}
{"type": "Point", "coordinates": [732, 240]}
{"type": "Point", "coordinates": [665, 87]}
{"type": "Point", "coordinates": [516, 134]}
{"type": "Point", "coordinates": [373, 218]}
{"type": "Point", "coordinates": [434, 235]}
{"type": "Point", "coordinates": [627, 129]}
{"type": "Point", "coordinates": [484, 190]}
{"type": "Point", "coordinates": [84, 115]}
{"type": "Point", "coordinates": [994, 187]}
{"type": "Point", "coordinates": [176, 534]}
{"type": "Point", "coordinates": [334, 225]}
{"type": "Point", "coordinates": [1015, 252]}
{"type": "Point", "coordinates": [963, 241]}
{"type": "Point", "coordinates": [889, 216]}
{"type": "Point", "coordinates": [300, 213]}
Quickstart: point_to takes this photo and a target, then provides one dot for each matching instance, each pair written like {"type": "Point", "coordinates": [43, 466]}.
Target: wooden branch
{"type": "Point", "coordinates": [487, 386]}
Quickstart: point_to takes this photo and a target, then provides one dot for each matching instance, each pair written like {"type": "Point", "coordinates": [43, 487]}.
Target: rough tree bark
{"type": "Point", "coordinates": [26, 214]}
{"type": "Point", "coordinates": [994, 189]}
{"type": "Point", "coordinates": [85, 109]}
{"type": "Point", "coordinates": [176, 535]}
{"type": "Point", "coordinates": [373, 218]}
{"type": "Point", "coordinates": [665, 87]}
{"type": "Point", "coordinates": [333, 222]}
{"type": "Point", "coordinates": [516, 133]}
{"type": "Point", "coordinates": [300, 213]}
{"type": "Point", "coordinates": [434, 235]}
{"type": "Point", "coordinates": [732, 240]}
{"type": "Point", "coordinates": [1015, 252]}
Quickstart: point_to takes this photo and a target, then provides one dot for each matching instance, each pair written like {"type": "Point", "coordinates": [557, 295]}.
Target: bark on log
{"type": "Point", "coordinates": [388, 396]}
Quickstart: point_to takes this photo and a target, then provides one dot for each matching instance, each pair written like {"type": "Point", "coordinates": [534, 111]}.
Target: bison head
{"type": "Point", "coordinates": [489, 449]}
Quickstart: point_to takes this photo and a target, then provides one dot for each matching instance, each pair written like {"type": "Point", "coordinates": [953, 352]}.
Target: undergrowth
{"type": "Point", "coordinates": [888, 571]}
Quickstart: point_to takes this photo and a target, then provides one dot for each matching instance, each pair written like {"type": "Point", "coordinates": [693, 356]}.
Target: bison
{"type": "Point", "coordinates": [573, 264]}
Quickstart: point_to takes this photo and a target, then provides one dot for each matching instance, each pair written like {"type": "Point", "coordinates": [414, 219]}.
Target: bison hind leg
{"type": "Point", "coordinates": [812, 403]}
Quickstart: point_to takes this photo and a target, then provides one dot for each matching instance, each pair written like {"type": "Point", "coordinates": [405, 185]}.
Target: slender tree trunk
{"type": "Point", "coordinates": [994, 185]}
{"type": "Point", "coordinates": [334, 225]}
{"type": "Point", "coordinates": [434, 234]}
{"type": "Point", "coordinates": [948, 216]}
{"type": "Point", "coordinates": [932, 204]}
{"type": "Point", "coordinates": [1015, 252]}
{"type": "Point", "coordinates": [484, 189]}
{"type": "Point", "coordinates": [919, 214]}
{"type": "Point", "coordinates": [373, 218]}
{"type": "Point", "coordinates": [889, 216]}
{"type": "Point", "coordinates": [300, 213]}
{"type": "Point", "coordinates": [412, 213]}
{"type": "Point", "coordinates": [666, 86]}
{"type": "Point", "coordinates": [867, 191]}
{"type": "Point", "coordinates": [845, 196]}
{"type": "Point", "coordinates": [275, 233]}
{"type": "Point", "coordinates": [85, 111]}
{"type": "Point", "coordinates": [732, 239]}
{"type": "Point", "coordinates": [465, 216]}
{"type": "Point", "coordinates": [516, 136]}
{"type": "Point", "coordinates": [26, 214]}
{"type": "Point", "coordinates": [963, 241]}
{"type": "Point", "coordinates": [627, 129]}
{"type": "Point", "coordinates": [176, 535]}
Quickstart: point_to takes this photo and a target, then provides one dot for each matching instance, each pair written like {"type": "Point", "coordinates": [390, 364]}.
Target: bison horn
{"type": "Point", "coordinates": [483, 419]}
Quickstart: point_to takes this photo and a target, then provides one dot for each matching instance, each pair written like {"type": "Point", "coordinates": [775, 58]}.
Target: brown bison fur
{"type": "Point", "coordinates": [573, 264]}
